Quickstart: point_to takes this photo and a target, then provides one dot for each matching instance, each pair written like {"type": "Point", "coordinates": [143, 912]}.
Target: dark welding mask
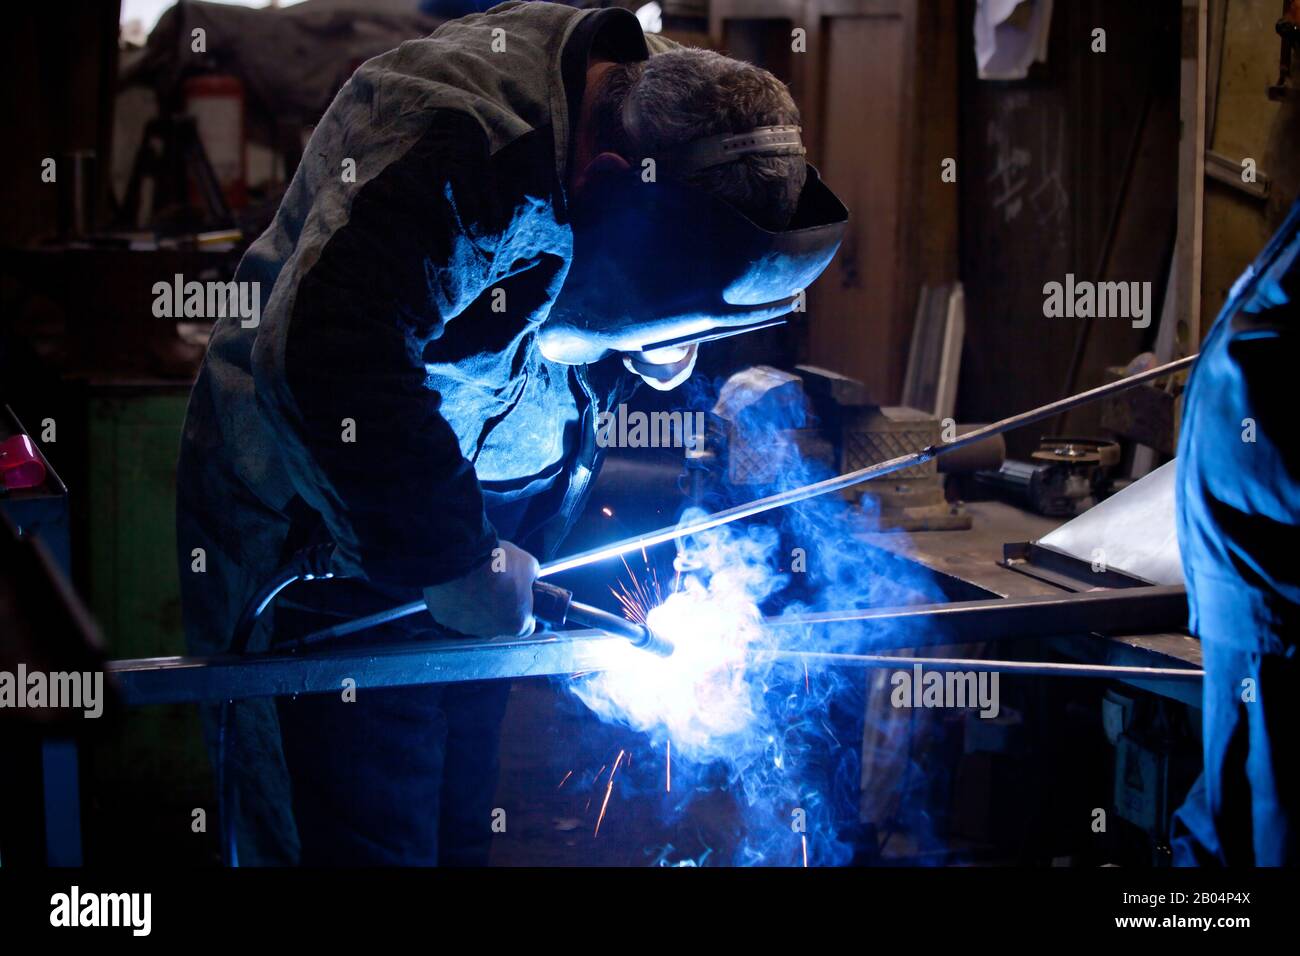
{"type": "Point", "coordinates": [658, 265]}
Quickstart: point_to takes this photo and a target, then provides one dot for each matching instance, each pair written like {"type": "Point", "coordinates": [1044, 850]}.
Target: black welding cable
{"type": "Point", "coordinates": [309, 564]}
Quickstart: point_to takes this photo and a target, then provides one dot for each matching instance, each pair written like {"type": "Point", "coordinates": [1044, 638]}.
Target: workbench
{"type": "Point", "coordinates": [975, 557]}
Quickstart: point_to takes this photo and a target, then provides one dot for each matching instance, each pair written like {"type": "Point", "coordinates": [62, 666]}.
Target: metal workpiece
{"type": "Point", "coordinates": [172, 680]}
{"type": "Point", "coordinates": [1034, 668]}
{"type": "Point", "coordinates": [857, 636]}
{"type": "Point", "coordinates": [1140, 610]}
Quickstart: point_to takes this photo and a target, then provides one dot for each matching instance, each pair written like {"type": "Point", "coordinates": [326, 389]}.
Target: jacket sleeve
{"type": "Point", "coordinates": [365, 442]}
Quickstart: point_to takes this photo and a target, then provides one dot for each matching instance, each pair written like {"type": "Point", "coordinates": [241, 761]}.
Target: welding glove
{"type": "Point", "coordinates": [663, 369]}
{"type": "Point", "coordinates": [493, 600]}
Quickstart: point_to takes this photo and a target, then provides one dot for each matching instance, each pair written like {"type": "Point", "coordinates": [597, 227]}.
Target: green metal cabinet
{"type": "Point", "coordinates": [150, 774]}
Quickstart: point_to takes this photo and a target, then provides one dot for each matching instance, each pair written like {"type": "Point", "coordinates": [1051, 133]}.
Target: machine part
{"type": "Point", "coordinates": [912, 499]}
{"type": "Point", "coordinates": [1077, 451]}
{"type": "Point", "coordinates": [761, 422]}
{"type": "Point", "coordinates": [803, 493]}
{"type": "Point", "coordinates": [839, 390]}
{"type": "Point", "coordinates": [667, 264]}
{"type": "Point", "coordinates": [1065, 475]}
{"type": "Point", "coordinates": [877, 434]}
{"type": "Point", "coordinates": [168, 680]}
{"type": "Point", "coordinates": [552, 605]}
{"type": "Point", "coordinates": [555, 605]}
{"type": "Point", "coordinates": [638, 634]}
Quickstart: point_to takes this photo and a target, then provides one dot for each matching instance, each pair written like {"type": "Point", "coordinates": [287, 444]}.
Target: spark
{"type": "Point", "coordinates": [608, 790]}
{"type": "Point", "coordinates": [805, 675]}
{"type": "Point", "coordinates": [804, 838]}
{"type": "Point", "coordinates": [642, 596]}
{"type": "Point", "coordinates": [668, 783]}
{"type": "Point", "coordinates": [607, 511]}
{"type": "Point", "coordinates": [565, 780]}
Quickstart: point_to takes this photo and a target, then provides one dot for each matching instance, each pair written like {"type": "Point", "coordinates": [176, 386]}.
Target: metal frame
{"type": "Point", "coordinates": [1057, 567]}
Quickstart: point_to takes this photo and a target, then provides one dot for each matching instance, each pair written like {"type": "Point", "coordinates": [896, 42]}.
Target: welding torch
{"type": "Point", "coordinates": [781, 499]}
{"type": "Point", "coordinates": [555, 605]}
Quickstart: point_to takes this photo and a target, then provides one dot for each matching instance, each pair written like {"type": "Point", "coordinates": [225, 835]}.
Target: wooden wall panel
{"type": "Point", "coordinates": [854, 327]}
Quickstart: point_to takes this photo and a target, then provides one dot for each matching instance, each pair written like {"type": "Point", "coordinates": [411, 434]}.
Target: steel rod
{"type": "Point", "coordinates": [794, 495]}
{"type": "Point", "coordinates": [1042, 668]}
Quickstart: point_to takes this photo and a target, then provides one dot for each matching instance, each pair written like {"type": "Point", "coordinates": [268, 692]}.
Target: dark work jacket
{"type": "Point", "coordinates": [393, 386]}
{"type": "Point", "coordinates": [392, 398]}
{"type": "Point", "coordinates": [1239, 461]}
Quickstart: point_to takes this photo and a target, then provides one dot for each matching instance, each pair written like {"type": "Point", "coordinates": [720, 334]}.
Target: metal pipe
{"type": "Point", "coordinates": [794, 495]}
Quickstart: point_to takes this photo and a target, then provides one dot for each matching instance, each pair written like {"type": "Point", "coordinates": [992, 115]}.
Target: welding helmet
{"type": "Point", "coordinates": [663, 264]}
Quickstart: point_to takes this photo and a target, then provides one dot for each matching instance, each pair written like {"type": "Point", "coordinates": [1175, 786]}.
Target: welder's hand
{"type": "Point", "coordinates": [663, 369]}
{"type": "Point", "coordinates": [493, 600]}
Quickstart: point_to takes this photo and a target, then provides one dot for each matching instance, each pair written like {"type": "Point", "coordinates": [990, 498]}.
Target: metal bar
{"type": "Point", "coordinates": [1121, 611]}
{"type": "Point", "coordinates": [794, 495]}
{"type": "Point", "coordinates": [1042, 668]}
{"type": "Point", "coordinates": [180, 679]}
{"type": "Point", "coordinates": [173, 680]}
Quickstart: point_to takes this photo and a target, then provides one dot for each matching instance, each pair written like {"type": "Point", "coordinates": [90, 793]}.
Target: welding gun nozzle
{"type": "Point", "coordinates": [654, 642]}
{"type": "Point", "coordinates": [556, 605]}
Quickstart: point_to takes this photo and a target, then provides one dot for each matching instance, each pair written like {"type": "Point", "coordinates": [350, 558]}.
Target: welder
{"type": "Point", "coordinates": [1239, 534]}
{"type": "Point", "coordinates": [493, 232]}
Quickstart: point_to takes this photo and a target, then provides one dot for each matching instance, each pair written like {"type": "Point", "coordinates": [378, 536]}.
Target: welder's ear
{"type": "Point", "coordinates": [601, 164]}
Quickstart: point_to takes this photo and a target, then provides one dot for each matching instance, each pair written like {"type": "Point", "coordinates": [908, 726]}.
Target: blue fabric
{"type": "Point", "coordinates": [1242, 809]}
{"type": "Point", "coordinates": [1239, 461]}
{"type": "Point", "coordinates": [1239, 535]}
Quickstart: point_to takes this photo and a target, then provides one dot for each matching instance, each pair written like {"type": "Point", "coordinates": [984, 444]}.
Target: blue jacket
{"type": "Point", "coordinates": [1239, 461]}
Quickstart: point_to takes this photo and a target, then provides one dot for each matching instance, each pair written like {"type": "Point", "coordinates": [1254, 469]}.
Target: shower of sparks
{"type": "Point", "coordinates": [645, 592]}
{"type": "Point", "coordinates": [565, 780]}
{"type": "Point", "coordinates": [641, 597]}
{"type": "Point", "coordinates": [608, 790]}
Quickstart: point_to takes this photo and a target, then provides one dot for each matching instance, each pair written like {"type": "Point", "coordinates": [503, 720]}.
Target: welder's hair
{"type": "Point", "coordinates": [653, 107]}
